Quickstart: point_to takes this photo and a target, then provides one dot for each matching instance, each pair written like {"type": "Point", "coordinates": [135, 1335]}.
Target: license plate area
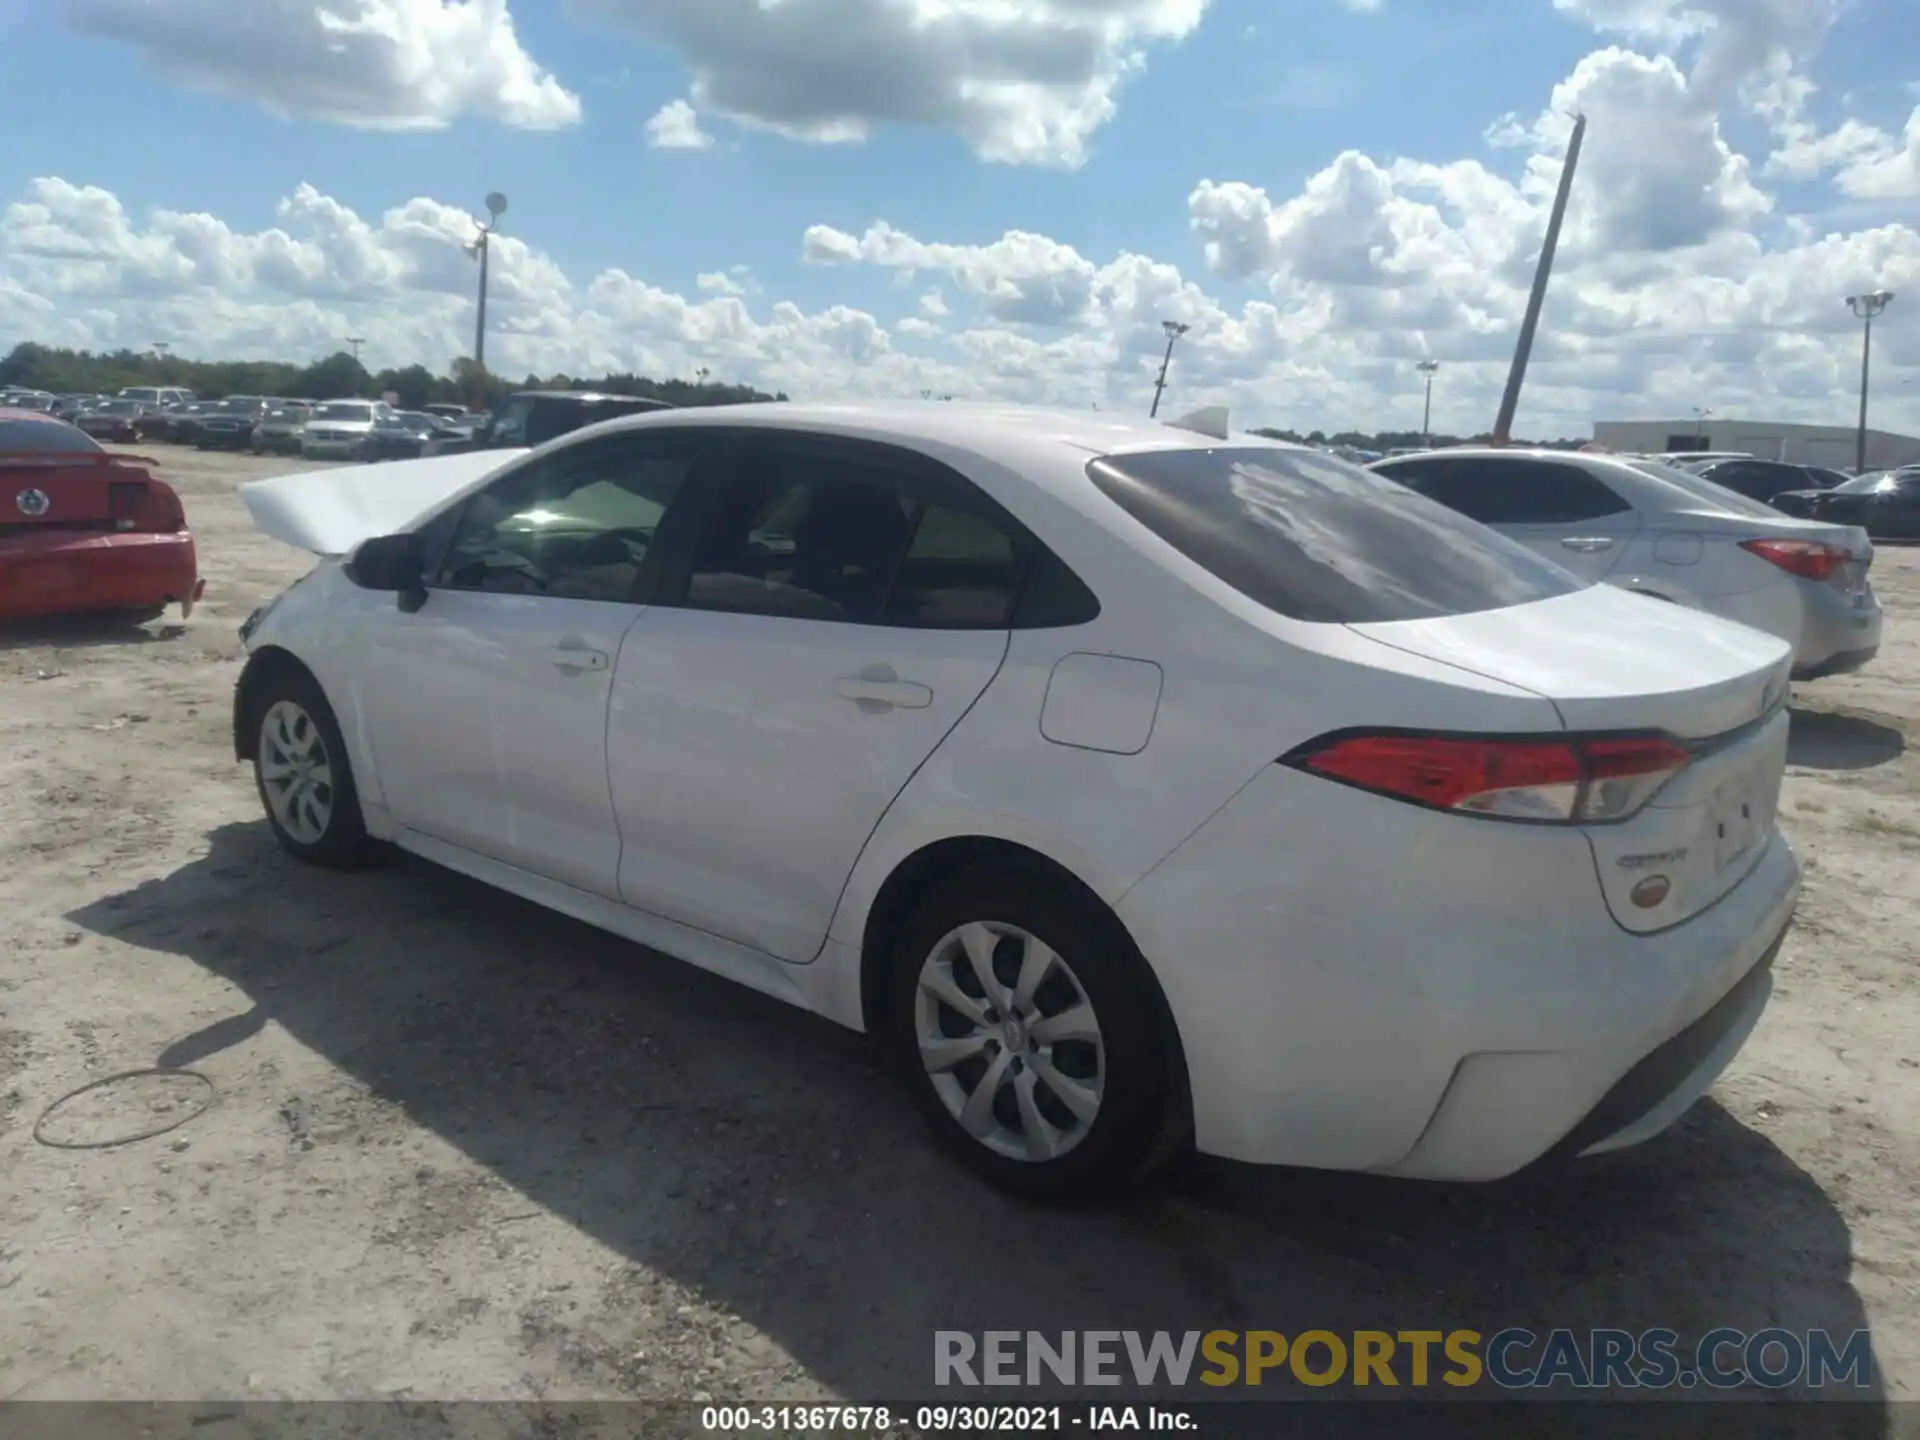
{"type": "Point", "coordinates": [1739, 815]}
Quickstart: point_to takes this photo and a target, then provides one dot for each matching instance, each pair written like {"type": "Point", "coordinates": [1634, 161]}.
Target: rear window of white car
{"type": "Point", "coordinates": [1313, 538]}
{"type": "Point", "coordinates": [1698, 487]}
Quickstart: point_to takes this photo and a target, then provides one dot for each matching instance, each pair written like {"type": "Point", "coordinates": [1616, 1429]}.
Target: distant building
{"type": "Point", "coordinates": [1829, 445]}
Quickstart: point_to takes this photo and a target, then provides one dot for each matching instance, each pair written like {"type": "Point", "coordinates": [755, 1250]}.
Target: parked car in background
{"type": "Point", "coordinates": [342, 429]}
{"type": "Point", "coordinates": [404, 434]}
{"type": "Point", "coordinates": [1763, 479]}
{"type": "Point", "coordinates": [1696, 457]}
{"type": "Point", "coordinates": [156, 394]}
{"type": "Point", "coordinates": [1662, 531]}
{"type": "Point", "coordinates": [40, 402]}
{"type": "Point", "coordinates": [83, 530]}
{"type": "Point", "coordinates": [1886, 503]}
{"type": "Point", "coordinates": [1126, 784]}
{"type": "Point", "coordinates": [280, 428]}
{"type": "Point", "coordinates": [130, 420]}
{"type": "Point", "coordinates": [533, 417]}
{"type": "Point", "coordinates": [229, 424]}
{"type": "Point", "coordinates": [181, 422]}
{"type": "Point", "coordinates": [69, 407]}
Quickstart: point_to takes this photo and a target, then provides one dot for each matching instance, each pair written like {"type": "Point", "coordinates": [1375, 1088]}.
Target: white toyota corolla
{"type": "Point", "coordinates": [1129, 782]}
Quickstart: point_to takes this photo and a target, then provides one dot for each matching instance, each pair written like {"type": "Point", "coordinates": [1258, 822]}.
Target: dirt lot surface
{"type": "Point", "coordinates": [461, 1147]}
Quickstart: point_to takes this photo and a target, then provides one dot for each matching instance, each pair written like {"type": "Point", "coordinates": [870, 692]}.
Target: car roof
{"type": "Point", "coordinates": [1009, 434]}
{"type": "Point", "coordinates": [10, 412]}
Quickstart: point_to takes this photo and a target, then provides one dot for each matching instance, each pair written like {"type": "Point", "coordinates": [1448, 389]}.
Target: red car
{"type": "Point", "coordinates": [82, 530]}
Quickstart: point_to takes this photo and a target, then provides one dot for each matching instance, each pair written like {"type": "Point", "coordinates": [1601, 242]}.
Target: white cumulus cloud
{"type": "Point", "coordinates": [377, 64]}
{"type": "Point", "coordinates": [1027, 83]}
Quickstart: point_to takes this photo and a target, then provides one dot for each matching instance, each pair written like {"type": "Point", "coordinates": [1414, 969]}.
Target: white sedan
{"type": "Point", "coordinates": [1132, 785]}
{"type": "Point", "coordinates": [1654, 528]}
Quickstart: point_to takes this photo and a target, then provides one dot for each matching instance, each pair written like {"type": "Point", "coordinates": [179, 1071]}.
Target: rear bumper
{"type": "Point", "coordinates": [1363, 985]}
{"type": "Point", "coordinates": [74, 572]}
{"type": "Point", "coordinates": [1836, 636]}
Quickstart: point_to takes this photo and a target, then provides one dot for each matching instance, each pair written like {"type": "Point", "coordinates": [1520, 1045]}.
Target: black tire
{"type": "Point", "coordinates": [343, 842]}
{"type": "Point", "coordinates": [1143, 1115]}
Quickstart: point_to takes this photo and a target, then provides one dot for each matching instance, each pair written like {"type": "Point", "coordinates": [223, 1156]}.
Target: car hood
{"type": "Point", "coordinates": [331, 511]}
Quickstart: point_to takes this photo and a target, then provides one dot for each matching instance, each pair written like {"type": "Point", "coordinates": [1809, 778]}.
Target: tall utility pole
{"type": "Point", "coordinates": [1174, 331]}
{"type": "Point", "coordinates": [1510, 402]}
{"type": "Point", "coordinates": [1866, 307]}
{"type": "Point", "coordinates": [356, 341]}
{"type": "Point", "coordinates": [496, 207]}
{"type": "Point", "coordinates": [1428, 368]}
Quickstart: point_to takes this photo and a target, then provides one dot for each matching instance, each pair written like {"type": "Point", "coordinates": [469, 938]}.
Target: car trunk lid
{"type": "Point", "coordinates": [85, 492]}
{"type": "Point", "coordinates": [1611, 661]}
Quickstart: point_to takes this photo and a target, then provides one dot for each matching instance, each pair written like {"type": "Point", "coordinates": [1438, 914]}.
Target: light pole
{"type": "Point", "coordinates": [356, 341]}
{"type": "Point", "coordinates": [1700, 414]}
{"type": "Point", "coordinates": [496, 207]}
{"type": "Point", "coordinates": [1174, 331]}
{"type": "Point", "coordinates": [1428, 368]}
{"type": "Point", "coordinates": [1865, 307]}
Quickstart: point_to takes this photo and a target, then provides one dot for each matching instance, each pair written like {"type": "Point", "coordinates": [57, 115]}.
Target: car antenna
{"type": "Point", "coordinates": [1210, 421]}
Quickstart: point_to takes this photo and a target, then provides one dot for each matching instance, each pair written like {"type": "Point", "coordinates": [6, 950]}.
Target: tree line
{"type": "Point", "coordinates": [1407, 440]}
{"type": "Point", "coordinates": [338, 377]}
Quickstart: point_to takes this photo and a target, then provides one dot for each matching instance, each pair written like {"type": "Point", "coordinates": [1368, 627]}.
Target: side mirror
{"type": "Point", "coordinates": [391, 562]}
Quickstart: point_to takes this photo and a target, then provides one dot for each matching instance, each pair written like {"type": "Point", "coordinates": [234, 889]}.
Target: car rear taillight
{"type": "Point", "coordinates": [1809, 559]}
{"type": "Point", "coordinates": [143, 505]}
{"type": "Point", "coordinates": [1568, 780]}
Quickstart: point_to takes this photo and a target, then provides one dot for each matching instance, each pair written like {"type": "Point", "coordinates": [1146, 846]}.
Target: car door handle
{"type": "Point", "coordinates": [576, 658]}
{"type": "Point", "coordinates": [879, 686]}
{"type": "Point", "coordinates": [1587, 542]}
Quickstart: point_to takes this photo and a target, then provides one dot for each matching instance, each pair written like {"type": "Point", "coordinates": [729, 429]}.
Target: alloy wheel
{"type": "Point", "coordinates": [1009, 1038]}
{"type": "Point", "coordinates": [295, 772]}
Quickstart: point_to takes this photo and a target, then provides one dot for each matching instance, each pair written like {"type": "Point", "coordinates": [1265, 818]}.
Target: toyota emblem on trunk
{"type": "Point", "coordinates": [33, 503]}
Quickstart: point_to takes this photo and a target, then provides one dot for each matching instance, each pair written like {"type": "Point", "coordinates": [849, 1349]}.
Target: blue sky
{"type": "Point", "coordinates": [1789, 116]}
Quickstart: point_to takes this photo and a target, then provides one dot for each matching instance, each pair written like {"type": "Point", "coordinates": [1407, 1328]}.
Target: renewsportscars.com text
{"type": "Point", "coordinates": [1510, 1359]}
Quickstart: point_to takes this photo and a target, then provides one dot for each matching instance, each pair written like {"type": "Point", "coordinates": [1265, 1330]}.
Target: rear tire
{"type": "Point", "coordinates": [1032, 1036]}
{"type": "Point", "coordinates": [303, 775]}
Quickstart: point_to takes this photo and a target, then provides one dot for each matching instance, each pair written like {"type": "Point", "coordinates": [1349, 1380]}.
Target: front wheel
{"type": "Point", "coordinates": [301, 770]}
{"type": "Point", "coordinates": [1031, 1035]}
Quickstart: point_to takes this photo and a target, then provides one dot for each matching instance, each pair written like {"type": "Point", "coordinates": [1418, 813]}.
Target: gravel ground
{"type": "Point", "coordinates": [464, 1148]}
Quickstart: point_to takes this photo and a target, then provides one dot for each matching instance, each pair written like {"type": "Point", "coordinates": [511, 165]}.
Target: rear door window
{"type": "Point", "coordinates": [1313, 538]}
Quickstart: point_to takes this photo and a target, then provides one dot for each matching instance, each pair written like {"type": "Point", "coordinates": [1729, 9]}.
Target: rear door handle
{"type": "Point", "coordinates": [576, 657]}
{"type": "Point", "coordinates": [1588, 542]}
{"type": "Point", "coordinates": [880, 687]}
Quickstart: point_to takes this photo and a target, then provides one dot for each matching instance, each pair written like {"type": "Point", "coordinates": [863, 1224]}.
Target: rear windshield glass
{"type": "Point", "coordinates": [1866, 484]}
{"type": "Point", "coordinates": [1313, 538]}
{"type": "Point", "coordinates": [1697, 488]}
{"type": "Point", "coordinates": [44, 437]}
{"type": "Point", "coordinates": [344, 412]}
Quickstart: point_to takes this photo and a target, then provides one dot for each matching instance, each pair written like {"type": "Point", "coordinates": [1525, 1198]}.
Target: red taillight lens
{"type": "Point", "coordinates": [1568, 780]}
{"type": "Point", "coordinates": [1809, 559]}
{"type": "Point", "coordinates": [144, 505]}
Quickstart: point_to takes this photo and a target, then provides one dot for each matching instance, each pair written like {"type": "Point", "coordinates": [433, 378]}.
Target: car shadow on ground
{"type": "Point", "coordinates": [85, 632]}
{"type": "Point", "coordinates": [759, 1156]}
{"type": "Point", "coordinates": [1837, 740]}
